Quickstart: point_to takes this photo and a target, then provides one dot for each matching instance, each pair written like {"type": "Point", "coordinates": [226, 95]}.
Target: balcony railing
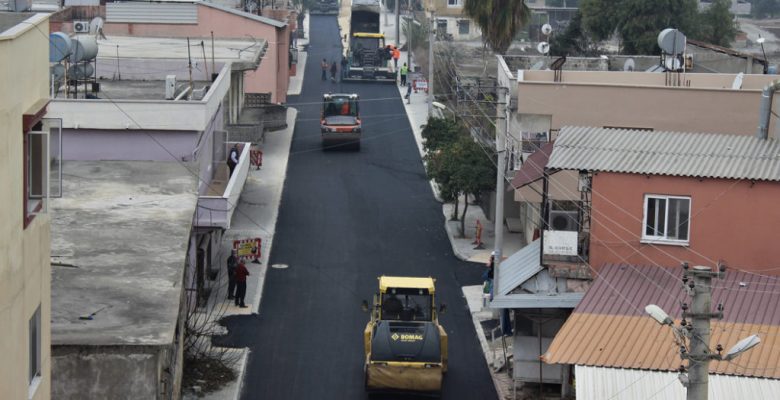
{"type": "Point", "coordinates": [216, 210]}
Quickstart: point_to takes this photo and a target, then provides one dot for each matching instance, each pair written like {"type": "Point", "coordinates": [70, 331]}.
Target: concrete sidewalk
{"type": "Point", "coordinates": [255, 217]}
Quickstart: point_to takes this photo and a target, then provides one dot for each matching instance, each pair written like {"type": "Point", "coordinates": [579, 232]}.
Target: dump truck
{"type": "Point", "coordinates": [324, 7]}
{"type": "Point", "coordinates": [340, 123]}
{"type": "Point", "coordinates": [405, 346]}
{"type": "Point", "coordinates": [367, 56]}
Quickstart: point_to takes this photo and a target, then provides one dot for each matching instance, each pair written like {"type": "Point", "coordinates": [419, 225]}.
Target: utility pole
{"type": "Point", "coordinates": [397, 23]}
{"type": "Point", "coordinates": [431, 39]}
{"type": "Point", "coordinates": [501, 131]}
{"type": "Point", "coordinates": [694, 337]}
{"type": "Point", "coordinates": [410, 32]}
{"type": "Point", "coordinates": [701, 312]}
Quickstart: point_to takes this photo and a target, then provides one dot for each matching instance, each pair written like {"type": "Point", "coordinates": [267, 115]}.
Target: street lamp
{"type": "Point", "coordinates": [761, 41]}
{"type": "Point", "coordinates": [690, 351]}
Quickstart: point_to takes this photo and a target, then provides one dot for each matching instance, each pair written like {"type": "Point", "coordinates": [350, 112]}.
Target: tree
{"type": "Point", "coordinates": [573, 41]}
{"type": "Point", "coordinates": [440, 133]}
{"type": "Point", "coordinates": [499, 20]}
{"type": "Point", "coordinates": [638, 22]}
{"type": "Point", "coordinates": [717, 22]}
{"type": "Point", "coordinates": [474, 172]}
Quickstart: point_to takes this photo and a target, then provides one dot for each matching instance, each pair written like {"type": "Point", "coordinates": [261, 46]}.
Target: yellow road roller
{"type": "Point", "coordinates": [406, 348]}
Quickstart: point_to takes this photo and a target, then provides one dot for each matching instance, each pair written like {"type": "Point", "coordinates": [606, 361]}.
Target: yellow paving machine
{"type": "Point", "coordinates": [405, 347]}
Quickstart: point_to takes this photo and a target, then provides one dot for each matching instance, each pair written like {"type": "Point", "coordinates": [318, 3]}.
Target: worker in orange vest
{"type": "Point", "coordinates": [396, 56]}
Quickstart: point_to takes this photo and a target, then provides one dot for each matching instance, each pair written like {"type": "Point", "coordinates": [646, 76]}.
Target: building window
{"type": "Point", "coordinates": [463, 27]}
{"type": "Point", "coordinates": [35, 348]}
{"type": "Point", "coordinates": [667, 219]}
{"type": "Point", "coordinates": [42, 166]}
{"type": "Point", "coordinates": [454, 3]}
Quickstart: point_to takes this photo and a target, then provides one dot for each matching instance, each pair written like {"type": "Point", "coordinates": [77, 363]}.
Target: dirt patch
{"type": "Point", "coordinates": [204, 375]}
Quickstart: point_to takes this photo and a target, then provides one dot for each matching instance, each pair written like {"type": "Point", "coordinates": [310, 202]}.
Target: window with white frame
{"type": "Point", "coordinates": [42, 166]}
{"type": "Point", "coordinates": [454, 3]}
{"type": "Point", "coordinates": [35, 346]}
{"type": "Point", "coordinates": [667, 218]}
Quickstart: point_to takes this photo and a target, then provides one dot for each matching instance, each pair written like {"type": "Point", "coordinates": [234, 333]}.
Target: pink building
{"type": "Point", "coordinates": [662, 198]}
{"type": "Point", "coordinates": [199, 21]}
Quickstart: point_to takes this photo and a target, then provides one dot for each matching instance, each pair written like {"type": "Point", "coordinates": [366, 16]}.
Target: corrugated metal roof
{"type": "Point", "coordinates": [519, 267]}
{"type": "Point", "coordinates": [701, 155]}
{"type": "Point", "coordinates": [157, 13]}
{"type": "Point", "coordinates": [537, 300]}
{"type": "Point", "coordinates": [594, 383]}
{"type": "Point", "coordinates": [609, 327]}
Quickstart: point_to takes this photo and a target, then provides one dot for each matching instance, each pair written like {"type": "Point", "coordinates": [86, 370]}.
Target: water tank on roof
{"type": "Point", "coordinates": [59, 46]}
{"type": "Point", "coordinates": [84, 48]}
{"type": "Point", "coordinates": [57, 72]}
{"type": "Point", "coordinates": [80, 71]}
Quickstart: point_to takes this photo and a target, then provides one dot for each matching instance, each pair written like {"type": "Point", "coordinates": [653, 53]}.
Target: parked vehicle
{"type": "Point", "coordinates": [324, 7]}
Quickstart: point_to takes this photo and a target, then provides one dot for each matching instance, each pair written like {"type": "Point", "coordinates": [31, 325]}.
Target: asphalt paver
{"type": "Point", "coordinates": [347, 217]}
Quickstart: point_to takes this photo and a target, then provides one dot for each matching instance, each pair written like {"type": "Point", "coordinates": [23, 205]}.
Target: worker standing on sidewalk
{"type": "Point", "coordinates": [241, 274]}
{"type": "Point", "coordinates": [404, 72]}
{"type": "Point", "coordinates": [232, 264]}
{"type": "Point", "coordinates": [396, 56]}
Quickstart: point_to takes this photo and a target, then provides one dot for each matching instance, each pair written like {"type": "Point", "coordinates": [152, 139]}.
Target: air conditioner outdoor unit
{"type": "Point", "coordinates": [564, 220]}
{"type": "Point", "coordinates": [81, 26]}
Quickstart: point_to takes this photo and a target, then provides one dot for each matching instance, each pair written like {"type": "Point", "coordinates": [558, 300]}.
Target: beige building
{"type": "Point", "coordinates": [450, 20]}
{"type": "Point", "coordinates": [25, 271]}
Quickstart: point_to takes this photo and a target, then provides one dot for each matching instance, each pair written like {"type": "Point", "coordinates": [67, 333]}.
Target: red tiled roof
{"type": "Point", "coordinates": [610, 328]}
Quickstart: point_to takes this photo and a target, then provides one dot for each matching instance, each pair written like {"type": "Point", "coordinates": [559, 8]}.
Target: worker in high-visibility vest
{"type": "Point", "coordinates": [404, 73]}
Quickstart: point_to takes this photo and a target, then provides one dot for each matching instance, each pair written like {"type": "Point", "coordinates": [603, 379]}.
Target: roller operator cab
{"type": "Point", "coordinates": [340, 123]}
{"type": "Point", "coordinates": [405, 346]}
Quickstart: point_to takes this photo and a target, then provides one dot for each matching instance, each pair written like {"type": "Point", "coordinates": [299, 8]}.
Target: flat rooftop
{"type": "Point", "coordinates": [140, 90]}
{"type": "Point", "coordinates": [119, 238]}
{"type": "Point", "coordinates": [232, 50]}
{"type": "Point", "coordinates": [10, 19]}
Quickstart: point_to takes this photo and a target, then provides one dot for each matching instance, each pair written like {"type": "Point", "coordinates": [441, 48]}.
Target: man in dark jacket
{"type": "Point", "coordinates": [232, 264]}
{"type": "Point", "coordinates": [241, 274]}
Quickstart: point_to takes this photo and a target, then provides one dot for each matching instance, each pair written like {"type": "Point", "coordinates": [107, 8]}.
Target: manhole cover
{"type": "Point", "coordinates": [280, 266]}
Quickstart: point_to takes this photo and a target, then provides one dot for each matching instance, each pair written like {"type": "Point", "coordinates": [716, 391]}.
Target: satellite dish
{"type": "Point", "coordinates": [96, 26]}
{"type": "Point", "coordinates": [538, 65]}
{"type": "Point", "coordinates": [543, 47]}
{"type": "Point", "coordinates": [672, 64]}
{"type": "Point", "coordinates": [671, 41]}
{"type": "Point", "coordinates": [629, 65]}
{"type": "Point", "coordinates": [738, 81]}
{"type": "Point", "coordinates": [546, 29]}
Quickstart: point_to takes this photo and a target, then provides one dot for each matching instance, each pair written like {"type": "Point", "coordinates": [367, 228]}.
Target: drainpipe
{"type": "Point", "coordinates": [766, 109]}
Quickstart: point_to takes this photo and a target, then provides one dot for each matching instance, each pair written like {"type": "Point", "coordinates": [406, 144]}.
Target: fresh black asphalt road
{"type": "Point", "coordinates": [346, 218]}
